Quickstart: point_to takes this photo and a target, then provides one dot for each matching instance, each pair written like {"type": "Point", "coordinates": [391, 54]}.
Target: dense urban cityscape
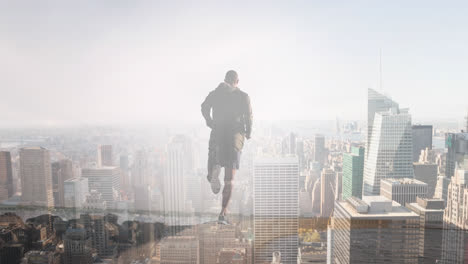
{"type": "Point", "coordinates": [382, 191]}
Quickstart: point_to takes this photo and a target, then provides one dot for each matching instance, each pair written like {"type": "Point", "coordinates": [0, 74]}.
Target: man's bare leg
{"type": "Point", "coordinates": [227, 191]}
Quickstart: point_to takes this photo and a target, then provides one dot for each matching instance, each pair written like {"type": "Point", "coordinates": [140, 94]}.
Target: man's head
{"type": "Point", "coordinates": [232, 78]}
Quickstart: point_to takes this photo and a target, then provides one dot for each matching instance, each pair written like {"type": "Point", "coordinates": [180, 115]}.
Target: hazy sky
{"type": "Point", "coordinates": [108, 61]}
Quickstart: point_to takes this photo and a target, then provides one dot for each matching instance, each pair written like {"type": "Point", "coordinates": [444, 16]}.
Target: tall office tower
{"type": "Point", "coordinates": [376, 103]}
{"type": "Point", "coordinates": [140, 169]}
{"type": "Point", "coordinates": [431, 214]}
{"type": "Point", "coordinates": [77, 247]}
{"type": "Point", "coordinates": [353, 171]}
{"type": "Point", "coordinates": [104, 154]}
{"type": "Point", "coordinates": [327, 192]}
{"type": "Point", "coordinates": [374, 230]}
{"type": "Point", "coordinates": [426, 173]}
{"type": "Point", "coordinates": [442, 188]}
{"type": "Point", "coordinates": [179, 249]}
{"type": "Point", "coordinates": [61, 171]}
{"type": "Point", "coordinates": [422, 139]}
{"type": "Point", "coordinates": [36, 176]}
{"type": "Point", "coordinates": [455, 235]}
{"type": "Point", "coordinates": [174, 185]}
{"type": "Point", "coordinates": [457, 149]}
{"type": "Point", "coordinates": [276, 208]}
{"type": "Point", "coordinates": [390, 153]}
{"type": "Point", "coordinates": [403, 190]}
{"type": "Point", "coordinates": [319, 149]}
{"type": "Point", "coordinates": [6, 176]}
{"type": "Point", "coordinates": [106, 180]}
{"type": "Point", "coordinates": [75, 192]}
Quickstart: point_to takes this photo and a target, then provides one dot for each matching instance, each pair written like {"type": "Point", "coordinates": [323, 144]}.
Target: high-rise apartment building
{"type": "Point", "coordinates": [353, 171]}
{"type": "Point", "coordinates": [403, 190]}
{"type": "Point", "coordinates": [105, 180]}
{"type": "Point", "coordinates": [422, 139]}
{"type": "Point", "coordinates": [390, 153]}
{"type": "Point", "coordinates": [276, 208]}
{"type": "Point", "coordinates": [431, 214]}
{"type": "Point", "coordinates": [36, 176]}
{"type": "Point", "coordinates": [6, 176]}
{"type": "Point", "coordinates": [374, 229]}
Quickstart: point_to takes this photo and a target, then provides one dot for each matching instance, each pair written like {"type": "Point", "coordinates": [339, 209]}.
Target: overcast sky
{"type": "Point", "coordinates": [108, 61]}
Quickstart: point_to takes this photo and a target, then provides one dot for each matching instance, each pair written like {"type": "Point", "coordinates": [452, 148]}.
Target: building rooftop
{"type": "Point", "coordinates": [399, 181]}
{"type": "Point", "coordinates": [378, 207]}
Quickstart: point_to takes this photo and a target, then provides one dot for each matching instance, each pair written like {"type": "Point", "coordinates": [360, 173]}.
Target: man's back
{"type": "Point", "coordinates": [230, 109]}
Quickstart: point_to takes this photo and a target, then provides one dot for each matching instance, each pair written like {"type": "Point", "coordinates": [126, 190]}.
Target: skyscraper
{"type": "Point", "coordinates": [390, 153]}
{"type": "Point", "coordinates": [61, 171]}
{"type": "Point", "coordinates": [105, 180]}
{"type": "Point", "coordinates": [105, 156]}
{"type": "Point", "coordinates": [457, 149]}
{"type": "Point", "coordinates": [374, 229]}
{"type": "Point", "coordinates": [426, 173]}
{"type": "Point", "coordinates": [6, 176]}
{"type": "Point", "coordinates": [36, 176]}
{"type": "Point", "coordinates": [353, 170]}
{"type": "Point", "coordinates": [376, 103]}
{"type": "Point", "coordinates": [431, 214]}
{"type": "Point", "coordinates": [276, 208]}
{"type": "Point", "coordinates": [403, 190]}
{"type": "Point", "coordinates": [174, 184]}
{"type": "Point", "coordinates": [455, 235]}
{"type": "Point", "coordinates": [422, 139]}
{"type": "Point", "coordinates": [327, 192]}
{"type": "Point", "coordinates": [319, 149]}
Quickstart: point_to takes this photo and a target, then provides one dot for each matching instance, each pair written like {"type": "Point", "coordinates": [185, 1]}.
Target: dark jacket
{"type": "Point", "coordinates": [231, 110]}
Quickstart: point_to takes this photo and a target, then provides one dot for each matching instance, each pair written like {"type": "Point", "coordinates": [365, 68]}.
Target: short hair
{"type": "Point", "coordinates": [231, 76]}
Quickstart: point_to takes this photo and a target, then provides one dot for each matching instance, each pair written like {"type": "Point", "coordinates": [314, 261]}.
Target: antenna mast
{"type": "Point", "coordinates": [380, 68]}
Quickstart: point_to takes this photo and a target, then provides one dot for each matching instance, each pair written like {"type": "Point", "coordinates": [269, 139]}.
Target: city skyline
{"type": "Point", "coordinates": [319, 65]}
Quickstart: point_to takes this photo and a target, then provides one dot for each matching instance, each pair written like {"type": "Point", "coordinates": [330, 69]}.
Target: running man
{"type": "Point", "coordinates": [228, 113]}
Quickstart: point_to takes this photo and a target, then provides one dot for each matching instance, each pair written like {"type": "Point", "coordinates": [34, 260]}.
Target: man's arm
{"type": "Point", "coordinates": [206, 110]}
{"type": "Point", "coordinates": [248, 117]}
